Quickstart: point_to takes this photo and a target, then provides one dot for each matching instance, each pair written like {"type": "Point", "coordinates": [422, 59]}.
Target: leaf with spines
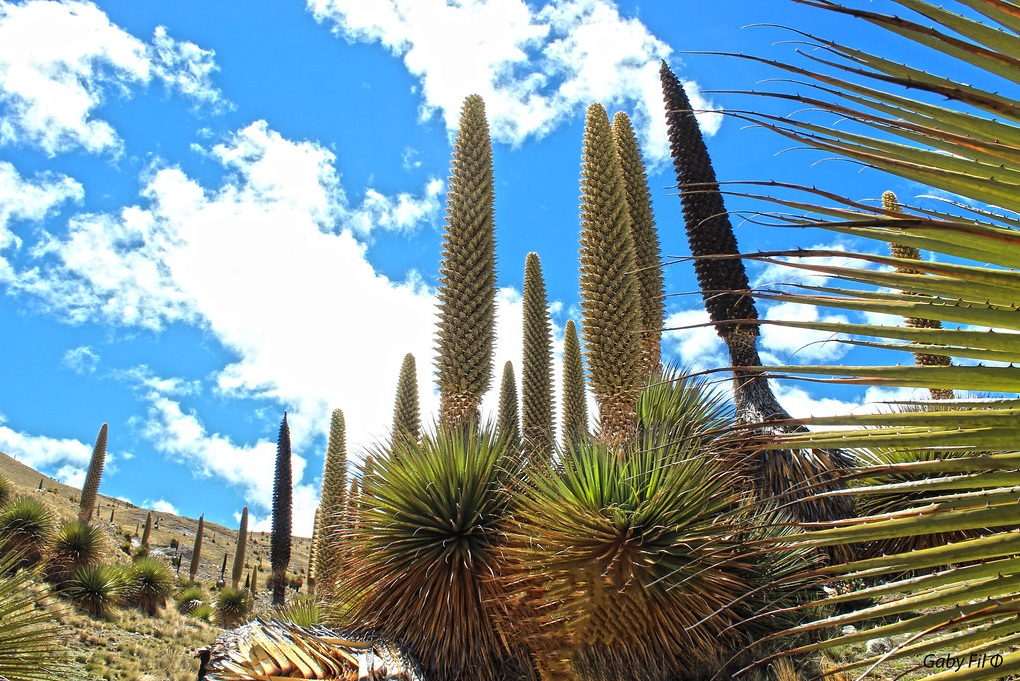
{"type": "Point", "coordinates": [610, 295]}
{"type": "Point", "coordinates": [467, 280]}
{"type": "Point", "coordinates": [536, 383]}
{"type": "Point", "coordinates": [890, 204]}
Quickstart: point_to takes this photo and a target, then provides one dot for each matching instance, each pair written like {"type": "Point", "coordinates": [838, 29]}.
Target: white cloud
{"type": "Point", "coordinates": [269, 264]}
{"type": "Point", "coordinates": [59, 59]}
{"type": "Point", "coordinates": [693, 339]}
{"type": "Point", "coordinates": [21, 199]}
{"type": "Point", "coordinates": [400, 213]}
{"type": "Point", "coordinates": [800, 346]}
{"type": "Point", "coordinates": [535, 68]}
{"type": "Point", "coordinates": [161, 506]}
{"type": "Point", "coordinates": [81, 360]}
{"type": "Point", "coordinates": [64, 459]}
{"type": "Point", "coordinates": [183, 437]}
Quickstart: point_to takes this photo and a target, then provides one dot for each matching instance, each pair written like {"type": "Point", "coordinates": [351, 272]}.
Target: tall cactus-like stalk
{"type": "Point", "coordinates": [239, 552]}
{"type": "Point", "coordinates": [313, 547]}
{"type": "Point", "coordinates": [892, 205]}
{"type": "Point", "coordinates": [508, 418]}
{"type": "Point", "coordinates": [280, 541]}
{"type": "Point", "coordinates": [467, 282]}
{"type": "Point", "coordinates": [610, 295]}
{"type": "Point", "coordinates": [575, 406]}
{"type": "Point", "coordinates": [726, 292]}
{"type": "Point", "coordinates": [331, 515]}
{"type": "Point", "coordinates": [196, 551]}
{"type": "Point", "coordinates": [536, 383]}
{"type": "Point", "coordinates": [147, 532]}
{"type": "Point", "coordinates": [406, 411]}
{"type": "Point", "coordinates": [89, 491]}
{"type": "Point", "coordinates": [647, 253]}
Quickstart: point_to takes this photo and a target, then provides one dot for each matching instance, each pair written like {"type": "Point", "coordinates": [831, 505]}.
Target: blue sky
{"type": "Point", "coordinates": [214, 212]}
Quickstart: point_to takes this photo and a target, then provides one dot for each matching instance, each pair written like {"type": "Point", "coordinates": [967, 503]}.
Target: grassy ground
{"type": "Point", "coordinates": [129, 646]}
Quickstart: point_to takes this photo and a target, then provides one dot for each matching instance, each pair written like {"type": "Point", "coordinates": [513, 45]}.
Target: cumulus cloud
{"type": "Point", "coordinates": [64, 459]}
{"type": "Point", "coordinates": [802, 346]}
{"type": "Point", "coordinates": [81, 360]}
{"type": "Point", "coordinates": [690, 337]}
{"type": "Point", "coordinates": [161, 506]}
{"type": "Point", "coordinates": [535, 67]}
{"type": "Point", "coordinates": [181, 436]}
{"type": "Point", "coordinates": [270, 264]}
{"type": "Point", "coordinates": [59, 60]}
{"type": "Point", "coordinates": [29, 200]}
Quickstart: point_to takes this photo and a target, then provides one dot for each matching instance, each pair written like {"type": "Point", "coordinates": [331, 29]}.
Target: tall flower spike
{"type": "Point", "coordinates": [575, 406]}
{"type": "Point", "coordinates": [90, 489]}
{"type": "Point", "coordinates": [239, 552]}
{"type": "Point", "coordinates": [726, 291]}
{"type": "Point", "coordinates": [406, 412]}
{"type": "Point", "coordinates": [196, 552]}
{"type": "Point", "coordinates": [508, 420]}
{"type": "Point", "coordinates": [332, 507]}
{"type": "Point", "coordinates": [467, 281]}
{"type": "Point", "coordinates": [723, 282]}
{"type": "Point", "coordinates": [536, 383]}
{"type": "Point", "coordinates": [892, 206]}
{"type": "Point", "coordinates": [610, 297]}
{"type": "Point", "coordinates": [648, 255]}
{"type": "Point", "coordinates": [280, 541]}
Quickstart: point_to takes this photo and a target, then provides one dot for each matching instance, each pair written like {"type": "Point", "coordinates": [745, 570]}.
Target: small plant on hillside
{"type": "Point", "coordinates": [31, 648]}
{"type": "Point", "coordinates": [26, 526]}
{"type": "Point", "coordinates": [190, 598]}
{"type": "Point", "coordinates": [150, 584]}
{"type": "Point", "coordinates": [75, 545]}
{"type": "Point", "coordinates": [6, 491]}
{"type": "Point", "coordinates": [302, 611]}
{"type": "Point", "coordinates": [232, 607]}
{"type": "Point", "coordinates": [96, 588]}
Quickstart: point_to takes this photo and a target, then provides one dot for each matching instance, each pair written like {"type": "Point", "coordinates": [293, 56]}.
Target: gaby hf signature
{"type": "Point", "coordinates": [958, 662]}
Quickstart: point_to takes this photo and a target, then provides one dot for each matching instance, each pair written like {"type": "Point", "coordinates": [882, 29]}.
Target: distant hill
{"type": "Point", "coordinates": [129, 520]}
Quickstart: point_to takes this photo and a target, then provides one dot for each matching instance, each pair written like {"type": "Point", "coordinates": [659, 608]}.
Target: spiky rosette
{"type": "Point", "coordinates": [467, 280]}
{"type": "Point", "coordinates": [536, 383]}
{"type": "Point", "coordinates": [647, 254]}
{"type": "Point", "coordinates": [575, 406]}
{"type": "Point", "coordinates": [632, 553]}
{"type": "Point", "coordinates": [610, 297]}
{"type": "Point", "coordinates": [508, 420]}
{"type": "Point", "coordinates": [429, 552]}
{"type": "Point", "coordinates": [90, 489]}
{"type": "Point", "coordinates": [406, 412]}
